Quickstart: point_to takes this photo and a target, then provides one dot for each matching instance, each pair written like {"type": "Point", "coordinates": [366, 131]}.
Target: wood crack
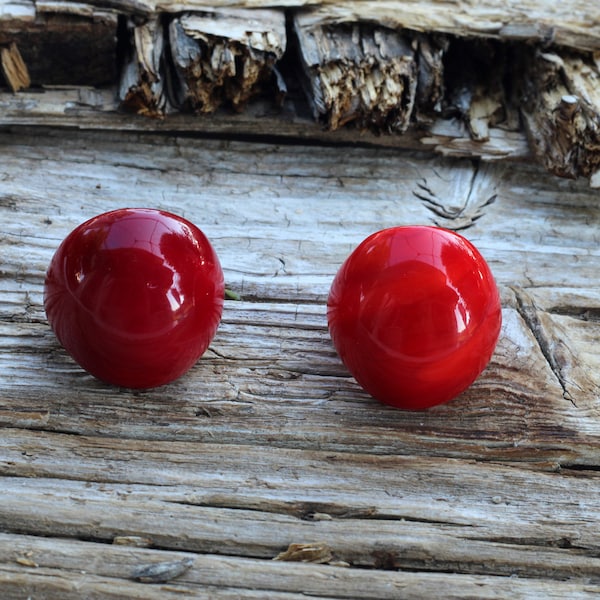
{"type": "Point", "coordinates": [529, 313]}
{"type": "Point", "coordinates": [584, 313]}
{"type": "Point", "coordinates": [308, 511]}
{"type": "Point", "coordinates": [564, 542]}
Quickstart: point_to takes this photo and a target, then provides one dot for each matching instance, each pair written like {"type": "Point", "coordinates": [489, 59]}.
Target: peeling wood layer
{"type": "Point", "coordinates": [142, 87]}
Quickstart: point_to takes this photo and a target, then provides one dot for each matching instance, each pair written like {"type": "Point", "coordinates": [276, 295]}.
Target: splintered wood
{"type": "Point", "coordinates": [224, 56]}
{"type": "Point", "coordinates": [14, 68]}
{"type": "Point", "coordinates": [562, 112]}
{"type": "Point", "coordinates": [142, 87]}
{"type": "Point", "coordinates": [198, 61]}
{"type": "Point", "coordinates": [358, 73]}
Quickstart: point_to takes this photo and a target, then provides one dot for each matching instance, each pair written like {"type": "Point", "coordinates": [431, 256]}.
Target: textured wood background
{"type": "Point", "coordinates": [267, 441]}
{"type": "Point", "coordinates": [493, 79]}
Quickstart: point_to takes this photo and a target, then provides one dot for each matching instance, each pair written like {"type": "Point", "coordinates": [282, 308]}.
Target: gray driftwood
{"type": "Point", "coordinates": [267, 448]}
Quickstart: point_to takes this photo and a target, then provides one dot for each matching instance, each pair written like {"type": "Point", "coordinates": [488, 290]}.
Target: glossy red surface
{"type": "Point", "coordinates": [135, 296]}
{"type": "Point", "coordinates": [415, 315]}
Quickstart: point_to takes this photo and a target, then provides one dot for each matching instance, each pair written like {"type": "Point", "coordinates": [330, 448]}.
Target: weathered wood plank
{"type": "Point", "coordinates": [91, 108]}
{"type": "Point", "coordinates": [290, 198]}
{"type": "Point", "coordinates": [231, 577]}
{"type": "Point", "coordinates": [572, 23]}
{"type": "Point", "coordinates": [268, 441]}
{"type": "Point", "coordinates": [360, 538]}
{"type": "Point", "coordinates": [499, 519]}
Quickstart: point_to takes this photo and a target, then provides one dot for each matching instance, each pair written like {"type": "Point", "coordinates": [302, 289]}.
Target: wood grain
{"type": "Point", "coordinates": [268, 441]}
{"type": "Point", "coordinates": [94, 108]}
{"type": "Point", "coordinates": [572, 23]}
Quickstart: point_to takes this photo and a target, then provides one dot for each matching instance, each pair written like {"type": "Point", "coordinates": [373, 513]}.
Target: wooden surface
{"type": "Point", "coordinates": [489, 79]}
{"type": "Point", "coordinates": [93, 108]}
{"type": "Point", "coordinates": [267, 441]}
{"type": "Point", "coordinates": [571, 23]}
